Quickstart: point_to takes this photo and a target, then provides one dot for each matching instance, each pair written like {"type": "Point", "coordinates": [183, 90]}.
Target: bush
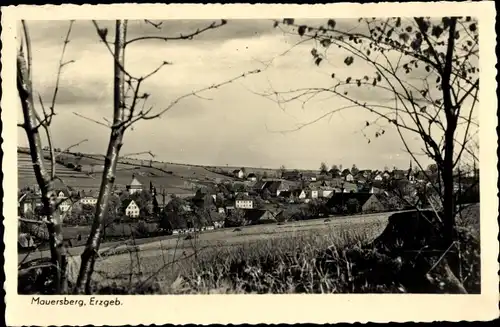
{"type": "Point", "coordinates": [142, 229]}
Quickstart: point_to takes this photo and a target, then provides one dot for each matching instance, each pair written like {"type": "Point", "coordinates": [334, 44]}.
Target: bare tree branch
{"type": "Point", "coordinates": [189, 36]}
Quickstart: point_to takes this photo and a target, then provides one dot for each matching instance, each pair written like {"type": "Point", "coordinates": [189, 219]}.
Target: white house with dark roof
{"type": "Point", "coordinates": [131, 209]}
{"type": "Point", "coordinates": [65, 205]}
{"type": "Point", "coordinates": [134, 186]}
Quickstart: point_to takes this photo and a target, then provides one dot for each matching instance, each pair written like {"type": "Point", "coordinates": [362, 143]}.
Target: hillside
{"type": "Point", "coordinates": [172, 178]}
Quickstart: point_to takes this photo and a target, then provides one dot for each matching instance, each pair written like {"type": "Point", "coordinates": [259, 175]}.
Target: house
{"type": "Point", "coordinates": [291, 175]}
{"type": "Point", "coordinates": [134, 186]}
{"type": "Point", "coordinates": [367, 188]}
{"type": "Point", "coordinates": [275, 187]}
{"type": "Point", "coordinates": [367, 202]}
{"type": "Point", "coordinates": [252, 177]}
{"type": "Point", "coordinates": [89, 200]}
{"type": "Point", "coordinates": [347, 176]}
{"type": "Point", "coordinates": [386, 174]}
{"type": "Point", "coordinates": [62, 194]}
{"type": "Point", "coordinates": [28, 202]}
{"type": "Point", "coordinates": [366, 173]}
{"type": "Point", "coordinates": [326, 192]}
{"type": "Point", "coordinates": [344, 173]}
{"type": "Point", "coordinates": [239, 173]}
{"type": "Point", "coordinates": [65, 205]}
{"type": "Point", "coordinates": [244, 203]}
{"type": "Point", "coordinates": [360, 178]}
{"type": "Point", "coordinates": [219, 224]}
{"type": "Point", "coordinates": [286, 194]}
{"type": "Point", "coordinates": [398, 174]}
{"type": "Point", "coordinates": [259, 216]}
{"type": "Point", "coordinates": [378, 177]}
{"type": "Point", "coordinates": [340, 186]}
{"type": "Point", "coordinates": [334, 172]}
{"type": "Point", "coordinates": [299, 194]}
{"type": "Point", "coordinates": [314, 194]}
{"type": "Point", "coordinates": [309, 176]}
{"type": "Point", "coordinates": [131, 208]}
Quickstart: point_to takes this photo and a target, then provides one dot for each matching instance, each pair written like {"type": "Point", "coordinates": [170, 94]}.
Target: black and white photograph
{"type": "Point", "coordinates": [268, 155]}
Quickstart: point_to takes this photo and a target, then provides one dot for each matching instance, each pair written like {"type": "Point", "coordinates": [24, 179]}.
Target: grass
{"type": "Point", "coordinates": [331, 259]}
{"type": "Point", "coordinates": [286, 264]}
{"type": "Point", "coordinates": [337, 256]}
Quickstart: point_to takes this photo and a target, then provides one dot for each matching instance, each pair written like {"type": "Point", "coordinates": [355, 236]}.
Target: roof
{"type": "Point", "coordinates": [334, 171]}
{"type": "Point", "coordinates": [65, 192]}
{"type": "Point", "coordinates": [126, 203]}
{"type": "Point", "coordinates": [338, 198]}
{"type": "Point", "coordinates": [135, 182]}
{"type": "Point", "coordinates": [291, 174]}
{"type": "Point", "coordinates": [255, 215]}
{"type": "Point", "coordinates": [251, 175]}
{"type": "Point", "coordinates": [286, 194]}
{"type": "Point", "coordinates": [345, 172]}
{"type": "Point", "coordinates": [272, 186]}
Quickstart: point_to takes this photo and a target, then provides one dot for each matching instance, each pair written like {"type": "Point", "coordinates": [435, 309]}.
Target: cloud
{"type": "Point", "coordinates": [230, 125]}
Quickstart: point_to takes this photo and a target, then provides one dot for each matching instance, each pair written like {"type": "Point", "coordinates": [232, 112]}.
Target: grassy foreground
{"type": "Point", "coordinates": [276, 265]}
{"type": "Point", "coordinates": [332, 257]}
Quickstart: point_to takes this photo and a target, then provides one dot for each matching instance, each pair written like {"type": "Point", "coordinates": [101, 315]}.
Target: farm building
{"type": "Point", "coordinates": [259, 216]}
{"type": "Point", "coordinates": [365, 202]}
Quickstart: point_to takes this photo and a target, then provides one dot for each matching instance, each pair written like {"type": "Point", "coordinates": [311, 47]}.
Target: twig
{"type": "Point", "coordinates": [91, 119]}
{"type": "Point", "coordinates": [61, 65]}
{"type": "Point", "coordinates": [190, 36]}
{"type": "Point", "coordinates": [144, 114]}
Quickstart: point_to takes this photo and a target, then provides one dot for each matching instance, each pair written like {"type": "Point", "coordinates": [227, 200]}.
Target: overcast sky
{"type": "Point", "coordinates": [231, 125]}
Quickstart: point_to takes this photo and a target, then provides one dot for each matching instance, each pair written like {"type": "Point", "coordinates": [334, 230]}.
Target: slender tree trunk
{"type": "Point", "coordinates": [44, 180]}
{"type": "Point", "coordinates": [112, 156]}
{"type": "Point", "coordinates": [449, 140]}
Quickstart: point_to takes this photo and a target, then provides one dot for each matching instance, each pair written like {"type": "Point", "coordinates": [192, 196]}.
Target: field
{"type": "Point", "coordinates": [332, 255]}
{"type": "Point", "coordinates": [166, 259]}
{"type": "Point", "coordinates": [172, 178]}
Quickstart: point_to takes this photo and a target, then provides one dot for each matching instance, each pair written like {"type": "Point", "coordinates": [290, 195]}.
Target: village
{"type": "Point", "coordinates": [297, 155]}
{"type": "Point", "coordinates": [241, 197]}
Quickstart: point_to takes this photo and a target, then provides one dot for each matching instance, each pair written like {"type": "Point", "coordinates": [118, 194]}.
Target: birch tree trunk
{"type": "Point", "coordinates": [111, 160]}
{"type": "Point", "coordinates": [32, 126]}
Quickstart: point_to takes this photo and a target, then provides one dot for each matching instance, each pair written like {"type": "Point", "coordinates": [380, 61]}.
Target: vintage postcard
{"type": "Point", "coordinates": [201, 163]}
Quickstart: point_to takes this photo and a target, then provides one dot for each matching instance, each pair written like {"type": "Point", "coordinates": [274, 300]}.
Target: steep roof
{"type": "Point", "coordinates": [345, 172]}
{"type": "Point", "coordinates": [339, 198]}
{"type": "Point", "coordinates": [126, 203]}
{"type": "Point", "coordinates": [135, 182]}
{"type": "Point", "coordinates": [254, 215]}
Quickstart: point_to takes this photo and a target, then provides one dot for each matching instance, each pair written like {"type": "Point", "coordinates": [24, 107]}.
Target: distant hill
{"type": "Point", "coordinates": [173, 178]}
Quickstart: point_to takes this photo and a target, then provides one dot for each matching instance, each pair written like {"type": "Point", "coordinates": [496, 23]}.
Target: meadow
{"type": "Point", "coordinates": [173, 264]}
{"type": "Point", "coordinates": [357, 254]}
